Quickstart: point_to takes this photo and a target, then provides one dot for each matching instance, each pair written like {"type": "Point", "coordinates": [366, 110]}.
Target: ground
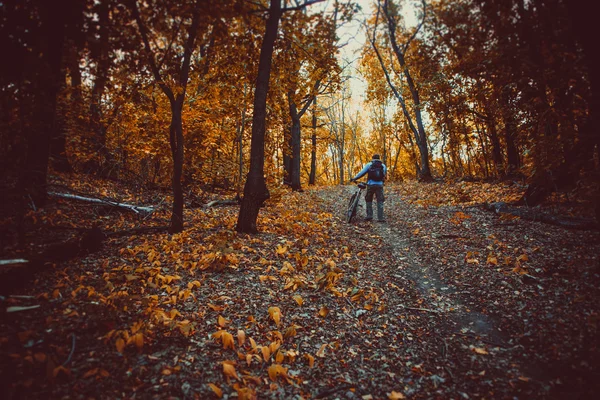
{"type": "Point", "coordinates": [443, 300]}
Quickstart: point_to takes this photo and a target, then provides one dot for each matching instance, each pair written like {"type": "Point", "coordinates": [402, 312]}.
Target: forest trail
{"type": "Point", "coordinates": [444, 300]}
{"type": "Point", "coordinates": [466, 313]}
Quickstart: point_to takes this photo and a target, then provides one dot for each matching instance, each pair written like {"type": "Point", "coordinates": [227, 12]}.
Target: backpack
{"type": "Point", "coordinates": [376, 171]}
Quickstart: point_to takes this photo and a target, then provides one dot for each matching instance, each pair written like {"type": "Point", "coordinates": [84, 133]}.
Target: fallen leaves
{"type": "Point", "coordinates": [275, 314]}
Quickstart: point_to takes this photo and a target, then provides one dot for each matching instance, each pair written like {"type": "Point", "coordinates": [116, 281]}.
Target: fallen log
{"type": "Point", "coordinates": [144, 210]}
{"type": "Point", "coordinates": [538, 216]}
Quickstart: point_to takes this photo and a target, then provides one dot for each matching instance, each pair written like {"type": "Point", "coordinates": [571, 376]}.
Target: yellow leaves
{"type": "Point", "coordinates": [279, 357]}
{"type": "Point", "coordinates": [120, 345]}
{"type": "Point", "coordinates": [281, 250]}
{"type": "Point", "coordinates": [290, 331]}
{"type": "Point", "coordinates": [416, 231]}
{"type": "Point", "coordinates": [321, 352]}
{"type": "Point", "coordinates": [287, 268]}
{"type": "Point", "coordinates": [229, 370]}
{"type": "Point", "coordinates": [137, 339]}
{"type": "Point", "coordinates": [298, 299]}
{"type": "Point", "coordinates": [98, 373]}
{"type": "Point", "coordinates": [459, 217]}
{"type": "Point", "coordinates": [193, 284]}
{"type": "Point", "coordinates": [480, 350]}
{"type": "Point", "coordinates": [276, 370]}
{"type": "Point", "coordinates": [222, 321]}
{"type": "Point", "coordinates": [492, 260]}
{"type": "Point", "coordinates": [396, 396]}
{"type": "Point", "coordinates": [266, 353]}
{"type": "Point", "coordinates": [275, 314]}
{"type": "Point", "coordinates": [303, 262]}
{"type": "Point", "coordinates": [264, 278]}
{"type": "Point", "coordinates": [470, 257]}
{"type": "Point", "coordinates": [323, 311]}
{"type": "Point", "coordinates": [216, 389]}
{"type": "Point", "coordinates": [311, 360]}
{"type": "Point", "coordinates": [241, 336]}
{"type": "Point", "coordinates": [226, 339]}
{"type": "Point", "coordinates": [216, 308]}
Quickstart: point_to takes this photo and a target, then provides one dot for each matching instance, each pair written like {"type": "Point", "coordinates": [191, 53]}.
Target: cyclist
{"type": "Point", "coordinates": [377, 172]}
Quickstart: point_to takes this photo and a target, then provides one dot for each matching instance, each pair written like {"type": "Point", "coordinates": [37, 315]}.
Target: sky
{"type": "Point", "coordinates": [352, 34]}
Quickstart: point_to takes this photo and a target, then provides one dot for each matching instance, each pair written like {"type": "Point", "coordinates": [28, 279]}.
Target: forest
{"type": "Point", "coordinates": [175, 186]}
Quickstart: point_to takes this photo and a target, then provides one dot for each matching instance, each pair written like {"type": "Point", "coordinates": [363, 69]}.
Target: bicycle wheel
{"type": "Point", "coordinates": [352, 206]}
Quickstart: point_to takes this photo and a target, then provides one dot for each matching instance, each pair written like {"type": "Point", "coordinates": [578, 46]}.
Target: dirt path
{"type": "Point", "coordinates": [479, 319]}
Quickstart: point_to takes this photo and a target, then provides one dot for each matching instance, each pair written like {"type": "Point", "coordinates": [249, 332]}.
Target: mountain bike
{"type": "Point", "coordinates": [353, 203]}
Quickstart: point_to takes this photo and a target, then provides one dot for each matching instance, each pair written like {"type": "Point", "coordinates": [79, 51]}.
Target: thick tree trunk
{"type": "Point", "coordinates": [255, 190]}
{"type": "Point", "coordinates": [176, 140]}
{"type": "Point", "coordinates": [48, 85]}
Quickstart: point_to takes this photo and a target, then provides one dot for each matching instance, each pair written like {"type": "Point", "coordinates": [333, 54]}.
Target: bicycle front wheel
{"type": "Point", "coordinates": [352, 206]}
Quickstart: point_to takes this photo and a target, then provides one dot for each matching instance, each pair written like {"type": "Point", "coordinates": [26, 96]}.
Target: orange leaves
{"type": "Point", "coordinates": [311, 360]}
{"type": "Point", "coordinates": [459, 217]}
{"type": "Point", "coordinates": [323, 311]}
{"type": "Point", "coordinates": [222, 321]}
{"type": "Point", "coordinates": [396, 396]}
{"type": "Point", "coordinates": [120, 345]}
{"type": "Point", "coordinates": [241, 336]}
{"type": "Point", "coordinates": [216, 389]}
{"type": "Point", "coordinates": [226, 339]}
{"type": "Point", "coordinates": [321, 352]}
{"type": "Point", "coordinates": [298, 299]}
{"type": "Point", "coordinates": [281, 250]}
{"type": "Point", "coordinates": [275, 314]}
{"type": "Point", "coordinates": [276, 370]}
{"type": "Point", "coordinates": [229, 370]}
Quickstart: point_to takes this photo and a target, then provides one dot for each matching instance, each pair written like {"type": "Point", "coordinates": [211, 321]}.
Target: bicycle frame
{"type": "Point", "coordinates": [354, 200]}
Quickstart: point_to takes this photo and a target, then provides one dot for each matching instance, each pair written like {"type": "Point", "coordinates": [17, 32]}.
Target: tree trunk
{"type": "Point", "coordinates": [255, 190]}
{"type": "Point", "coordinates": [103, 163]}
{"type": "Point", "coordinates": [313, 147]}
{"type": "Point", "coordinates": [295, 144]}
{"type": "Point", "coordinates": [48, 85]}
{"type": "Point", "coordinates": [176, 141]}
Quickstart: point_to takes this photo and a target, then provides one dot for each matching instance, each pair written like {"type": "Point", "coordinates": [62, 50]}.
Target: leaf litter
{"type": "Point", "coordinates": [445, 300]}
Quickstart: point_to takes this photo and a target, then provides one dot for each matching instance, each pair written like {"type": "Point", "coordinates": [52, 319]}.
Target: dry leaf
{"type": "Point", "coordinates": [298, 299]}
{"type": "Point", "coordinates": [321, 352]}
{"type": "Point", "coordinates": [120, 344]}
{"type": "Point", "coordinates": [275, 314]}
{"type": "Point", "coordinates": [229, 370]}
{"type": "Point", "coordinates": [216, 389]}
{"type": "Point", "coordinates": [480, 350]}
{"type": "Point", "coordinates": [311, 360]}
{"type": "Point", "coordinates": [323, 311]}
{"type": "Point", "coordinates": [266, 353]}
{"type": "Point", "coordinates": [396, 396]}
{"type": "Point", "coordinates": [241, 336]}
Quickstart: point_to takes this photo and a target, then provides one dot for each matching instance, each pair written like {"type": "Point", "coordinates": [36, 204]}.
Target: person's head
{"type": "Point", "coordinates": [376, 157]}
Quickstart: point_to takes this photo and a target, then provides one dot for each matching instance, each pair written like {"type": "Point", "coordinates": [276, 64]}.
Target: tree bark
{"type": "Point", "coordinates": [255, 189]}
{"type": "Point", "coordinates": [313, 147]}
{"type": "Point", "coordinates": [48, 84]}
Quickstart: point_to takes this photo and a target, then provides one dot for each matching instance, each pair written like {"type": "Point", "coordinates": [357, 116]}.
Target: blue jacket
{"type": "Point", "coordinates": [366, 169]}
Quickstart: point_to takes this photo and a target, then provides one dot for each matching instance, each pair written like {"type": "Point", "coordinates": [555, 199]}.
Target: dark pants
{"type": "Point", "coordinates": [374, 190]}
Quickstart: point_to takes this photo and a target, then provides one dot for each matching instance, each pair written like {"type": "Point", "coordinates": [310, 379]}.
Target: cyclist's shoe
{"type": "Point", "coordinates": [368, 218]}
{"type": "Point", "coordinates": [381, 220]}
